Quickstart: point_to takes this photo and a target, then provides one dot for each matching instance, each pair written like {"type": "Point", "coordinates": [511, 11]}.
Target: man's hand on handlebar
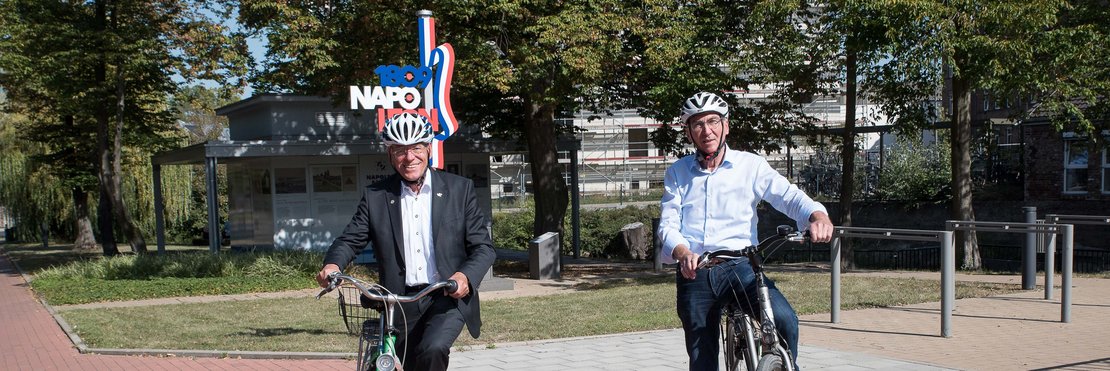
{"type": "Point", "coordinates": [463, 283]}
{"type": "Point", "coordinates": [820, 227]}
{"type": "Point", "coordinates": [687, 261]}
{"type": "Point", "coordinates": [322, 278]}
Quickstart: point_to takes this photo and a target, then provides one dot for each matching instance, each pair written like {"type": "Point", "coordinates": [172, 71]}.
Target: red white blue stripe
{"type": "Point", "coordinates": [437, 94]}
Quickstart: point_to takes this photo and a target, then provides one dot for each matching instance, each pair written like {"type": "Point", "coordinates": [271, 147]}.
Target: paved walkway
{"type": "Point", "coordinates": [1011, 332]}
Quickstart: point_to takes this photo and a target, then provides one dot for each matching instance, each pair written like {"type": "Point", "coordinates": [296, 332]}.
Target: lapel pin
{"type": "Point", "coordinates": [390, 202]}
{"type": "Point", "coordinates": [439, 195]}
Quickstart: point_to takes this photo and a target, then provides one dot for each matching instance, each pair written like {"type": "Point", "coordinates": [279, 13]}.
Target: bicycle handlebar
{"type": "Point", "coordinates": [785, 233]}
{"type": "Point", "coordinates": [335, 278]}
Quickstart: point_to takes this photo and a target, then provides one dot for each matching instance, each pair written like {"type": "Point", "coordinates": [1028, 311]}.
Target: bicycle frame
{"type": "Point", "coordinates": [384, 355]}
{"type": "Point", "coordinates": [753, 337]}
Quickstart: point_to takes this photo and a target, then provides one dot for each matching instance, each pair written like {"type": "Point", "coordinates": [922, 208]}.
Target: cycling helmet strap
{"type": "Point", "coordinates": [705, 158]}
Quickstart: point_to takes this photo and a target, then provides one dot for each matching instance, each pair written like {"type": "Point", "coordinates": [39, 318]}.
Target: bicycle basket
{"type": "Point", "coordinates": [350, 308]}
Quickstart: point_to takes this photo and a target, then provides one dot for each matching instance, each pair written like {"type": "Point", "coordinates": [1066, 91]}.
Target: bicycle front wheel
{"type": "Point", "coordinates": [775, 360]}
{"type": "Point", "coordinates": [731, 342]}
{"type": "Point", "coordinates": [369, 346]}
{"type": "Point", "coordinates": [770, 362]}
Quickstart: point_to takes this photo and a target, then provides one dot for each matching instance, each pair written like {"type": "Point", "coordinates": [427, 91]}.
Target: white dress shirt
{"type": "Point", "coordinates": [713, 210]}
{"type": "Point", "coordinates": [416, 223]}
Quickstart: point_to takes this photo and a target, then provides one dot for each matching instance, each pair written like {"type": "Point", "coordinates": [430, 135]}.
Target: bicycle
{"type": "Point", "coordinates": [377, 342]}
{"type": "Point", "coordinates": [752, 339]}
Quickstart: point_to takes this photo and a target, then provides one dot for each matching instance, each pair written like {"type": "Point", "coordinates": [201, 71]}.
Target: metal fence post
{"type": "Point", "coordinates": [1065, 296]}
{"type": "Point", "coordinates": [947, 282]}
{"type": "Point", "coordinates": [1049, 264]}
{"type": "Point", "coordinates": [1029, 253]}
{"type": "Point", "coordinates": [834, 311]}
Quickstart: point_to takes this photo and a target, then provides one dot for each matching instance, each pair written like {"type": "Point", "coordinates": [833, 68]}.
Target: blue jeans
{"type": "Point", "coordinates": [699, 308]}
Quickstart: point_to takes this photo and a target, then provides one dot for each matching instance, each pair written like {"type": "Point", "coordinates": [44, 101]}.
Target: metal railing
{"type": "Point", "coordinates": [1067, 230]}
{"type": "Point", "coordinates": [947, 271]}
{"type": "Point", "coordinates": [1049, 244]}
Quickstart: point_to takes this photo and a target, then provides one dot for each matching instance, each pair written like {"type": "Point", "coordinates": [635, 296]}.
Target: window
{"type": "Point", "coordinates": [1105, 170]}
{"type": "Point", "coordinates": [1075, 166]}
{"type": "Point", "coordinates": [637, 142]}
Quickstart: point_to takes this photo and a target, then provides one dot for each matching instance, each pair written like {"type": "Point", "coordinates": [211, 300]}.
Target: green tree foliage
{"type": "Point", "coordinates": [916, 172]}
{"type": "Point", "coordinates": [1052, 50]}
{"type": "Point", "coordinates": [96, 77]}
{"type": "Point", "coordinates": [195, 109]}
{"type": "Point", "coordinates": [30, 194]}
{"type": "Point", "coordinates": [722, 47]}
{"type": "Point", "coordinates": [34, 190]}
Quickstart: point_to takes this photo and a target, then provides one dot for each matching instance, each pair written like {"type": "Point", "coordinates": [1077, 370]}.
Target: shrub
{"type": "Point", "coordinates": [599, 233]}
{"type": "Point", "coordinates": [917, 172]}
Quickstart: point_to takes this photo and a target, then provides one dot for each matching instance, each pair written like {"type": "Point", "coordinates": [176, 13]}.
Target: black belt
{"type": "Point", "coordinates": [415, 289]}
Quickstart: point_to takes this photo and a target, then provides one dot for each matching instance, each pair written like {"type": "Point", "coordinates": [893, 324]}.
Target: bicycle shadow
{"type": "Point", "coordinates": [285, 331]}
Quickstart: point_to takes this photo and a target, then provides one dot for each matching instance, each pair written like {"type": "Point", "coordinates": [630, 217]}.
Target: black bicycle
{"type": "Point", "coordinates": [378, 337]}
{"type": "Point", "coordinates": [751, 338]}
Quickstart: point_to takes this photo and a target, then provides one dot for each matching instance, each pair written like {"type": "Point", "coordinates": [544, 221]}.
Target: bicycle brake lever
{"type": "Point", "coordinates": [332, 282]}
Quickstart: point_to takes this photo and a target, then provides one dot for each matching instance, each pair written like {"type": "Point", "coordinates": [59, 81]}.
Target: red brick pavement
{"type": "Point", "coordinates": [30, 339]}
{"type": "Point", "coordinates": [1019, 331]}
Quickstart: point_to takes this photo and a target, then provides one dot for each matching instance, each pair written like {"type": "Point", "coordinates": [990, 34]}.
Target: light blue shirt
{"type": "Point", "coordinates": [713, 210]}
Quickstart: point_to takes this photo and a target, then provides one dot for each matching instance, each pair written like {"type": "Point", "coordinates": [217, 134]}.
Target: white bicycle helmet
{"type": "Point", "coordinates": [703, 102]}
{"type": "Point", "coordinates": [406, 129]}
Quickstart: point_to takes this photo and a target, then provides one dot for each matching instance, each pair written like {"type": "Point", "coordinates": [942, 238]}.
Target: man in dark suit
{"type": "Point", "coordinates": [425, 226]}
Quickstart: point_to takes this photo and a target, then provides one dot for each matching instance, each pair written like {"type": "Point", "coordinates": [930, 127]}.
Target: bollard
{"type": "Point", "coordinates": [543, 257]}
{"type": "Point", "coordinates": [1029, 253]}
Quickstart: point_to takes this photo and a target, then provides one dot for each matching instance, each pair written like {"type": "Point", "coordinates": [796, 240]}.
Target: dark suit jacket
{"type": "Point", "coordinates": [460, 233]}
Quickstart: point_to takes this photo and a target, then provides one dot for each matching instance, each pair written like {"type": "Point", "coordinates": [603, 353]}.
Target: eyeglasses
{"type": "Point", "coordinates": [712, 123]}
{"type": "Point", "coordinates": [415, 150]}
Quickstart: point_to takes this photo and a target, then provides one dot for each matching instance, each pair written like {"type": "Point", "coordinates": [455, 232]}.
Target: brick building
{"type": "Point", "coordinates": [1064, 165]}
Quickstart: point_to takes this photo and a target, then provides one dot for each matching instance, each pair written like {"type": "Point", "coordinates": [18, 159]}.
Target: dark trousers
{"type": "Point", "coordinates": [699, 308]}
{"type": "Point", "coordinates": [427, 330]}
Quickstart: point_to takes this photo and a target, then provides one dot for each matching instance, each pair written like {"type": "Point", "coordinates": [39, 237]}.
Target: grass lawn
{"type": "Point", "coordinates": [305, 324]}
{"type": "Point", "coordinates": [604, 305]}
{"type": "Point", "coordinates": [65, 276]}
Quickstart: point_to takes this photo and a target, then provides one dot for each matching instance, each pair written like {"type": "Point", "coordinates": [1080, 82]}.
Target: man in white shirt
{"type": "Point", "coordinates": [709, 203]}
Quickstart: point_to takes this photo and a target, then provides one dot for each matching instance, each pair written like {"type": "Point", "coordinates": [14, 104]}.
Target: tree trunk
{"type": "Point", "coordinates": [548, 187]}
{"type": "Point", "coordinates": [138, 244]}
{"type": "Point", "coordinates": [104, 208]}
{"type": "Point", "coordinates": [85, 239]}
{"type": "Point", "coordinates": [848, 159]}
{"type": "Point", "coordinates": [961, 166]}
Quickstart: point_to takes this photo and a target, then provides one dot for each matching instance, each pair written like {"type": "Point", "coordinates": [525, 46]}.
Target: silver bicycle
{"type": "Point", "coordinates": [751, 338]}
{"type": "Point", "coordinates": [378, 339]}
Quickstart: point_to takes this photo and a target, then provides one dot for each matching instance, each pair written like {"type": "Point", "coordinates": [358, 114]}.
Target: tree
{"type": "Point", "coordinates": [860, 31]}
{"type": "Point", "coordinates": [519, 63]}
{"type": "Point", "coordinates": [49, 102]}
{"type": "Point", "coordinates": [110, 66]}
{"type": "Point", "coordinates": [1052, 50]}
{"type": "Point", "coordinates": [728, 47]}
{"type": "Point", "coordinates": [195, 108]}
